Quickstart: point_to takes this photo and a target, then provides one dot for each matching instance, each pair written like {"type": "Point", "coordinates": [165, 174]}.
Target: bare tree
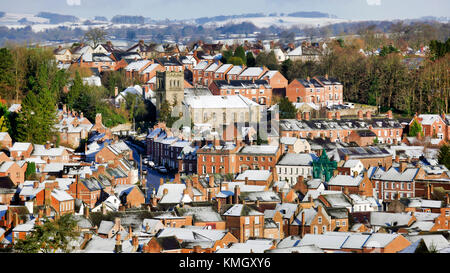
{"type": "Point", "coordinates": [95, 35]}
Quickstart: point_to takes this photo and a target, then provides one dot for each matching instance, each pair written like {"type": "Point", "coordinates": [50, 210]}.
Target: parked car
{"type": "Point", "coordinates": [151, 164]}
{"type": "Point", "coordinates": [350, 105]}
{"type": "Point", "coordinates": [162, 169]}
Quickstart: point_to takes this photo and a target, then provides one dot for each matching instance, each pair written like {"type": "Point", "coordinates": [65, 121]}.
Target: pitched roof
{"type": "Point", "coordinates": [297, 160]}
{"type": "Point", "coordinates": [241, 210]}
{"type": "Point", "coordinates": [259, 175]}
{"type": "Point", "coordinates": [345, 180]}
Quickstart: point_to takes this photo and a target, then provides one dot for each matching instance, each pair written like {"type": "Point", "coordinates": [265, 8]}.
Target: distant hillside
{"type": "Point", "coordinates": [57, 18]}
{"type": "Point", "coordinates": [311, 14]}
{"type": "Point", "coordinates": [124, 19]}
{"type": "Point", "coordinates": [100, 18]}
{"type": "Point", "coordinates": [204, 20]}
{"type": "Point", "coordinates": [2, 13]}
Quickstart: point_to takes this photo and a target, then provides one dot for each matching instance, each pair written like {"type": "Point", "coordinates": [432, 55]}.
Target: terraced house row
{"type": "Point", "coordinates": [362, 130]}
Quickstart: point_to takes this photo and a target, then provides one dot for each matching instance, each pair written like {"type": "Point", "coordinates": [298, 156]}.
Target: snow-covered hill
{"type": "Point", "coordinates": [280, 21]}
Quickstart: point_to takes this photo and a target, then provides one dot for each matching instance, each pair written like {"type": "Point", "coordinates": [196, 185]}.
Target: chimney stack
{"type": "Point", "coordinates": [402, 166]}
{"type": "Point", "coordinates": [368, 115]}
{"type": "Point", "coordinates": [389, 114]}
{"type": "Point", "coordinates": [329, 115]}
{"type": "Point", "coordinates": [211, 181]}
{"type": "Point", "coordinates": [16, 219]}
{"type": "Point", "coordinates": [237, 192]}
{"type": "Point", "coordinates": [303, 223]}
{"type": "Point", "coordinates": [86, 212]}
{"type": "Point", "coordinates": [118, 247]}
{"type": "Point", "coordinates": [135, 242]}
{"type": "Point", "coordinates": [360, 115]}
{"type": "Point", "coordinates": [298, 115]}
{"type": "Point", "coordinates": [130, 232]}
{"type": "Point", "coordinates": [307, 116]}
{"type": "Point", "coordinates": [338, 115]}
{"type": "Point", "coordinates": [98, 119]}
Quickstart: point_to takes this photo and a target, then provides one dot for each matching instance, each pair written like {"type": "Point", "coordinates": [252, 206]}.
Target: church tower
{"type": "Point", "coordinates": [170, 87]}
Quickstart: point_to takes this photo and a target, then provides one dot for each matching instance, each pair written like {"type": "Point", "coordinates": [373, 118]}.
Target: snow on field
{"type": "Point", "coordinates": [13, 18]}
{"type": "Point", "coordinates": [281, 21]}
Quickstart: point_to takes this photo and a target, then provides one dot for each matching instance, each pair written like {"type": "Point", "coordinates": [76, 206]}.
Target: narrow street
{"type": "Point", "coordinates": [153, 176]}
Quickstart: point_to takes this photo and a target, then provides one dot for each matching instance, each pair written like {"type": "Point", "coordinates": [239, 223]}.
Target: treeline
{"type": "Point", "coordinates": [384, 81]}
{"type": "Point", "coordinates": [57, 18]}
{"type": "Point", "coordinates": [124, 19]}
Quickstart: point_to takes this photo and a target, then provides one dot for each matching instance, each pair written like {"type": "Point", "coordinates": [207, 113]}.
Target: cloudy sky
{"type": "Point", "coordinates": [185, 9]}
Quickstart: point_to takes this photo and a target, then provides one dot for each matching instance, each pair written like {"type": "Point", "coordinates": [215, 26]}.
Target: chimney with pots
{"type": "Point", "coordinates": [307, 116]}
{"type": "Point", "coordinates": [329, 115]}
{"type": "Point", "coordinates": [211, 181]}
{"type": "Point", "coordinates": [298, 115]}
{"type": "Point", "coordinates": [98, 119]}
{"type": "Point", "coordinates": [118, 247]}
{"type": "Point", "coordinates": [86, 212]}
{"type": "Point", "coordinates": [237, 192]}
{"type": "Point", "coordinates": [402, 166]}
{"type": "Point", "coordinates": [135, 242]}
{"type": "Point", "coordinates": [368, 115]}
{"type": "Point", "coordinates": [389, 114]}
{"type": "Point", "coordinates": [338, 115]}
{"type": "Point", "coordinates": [360, 115]}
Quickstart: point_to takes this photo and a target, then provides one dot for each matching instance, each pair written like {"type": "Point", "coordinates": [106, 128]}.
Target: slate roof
{"type": "Point", "coordinates": [202, 214]}
{"type": "Point", "coordinates": [346, 124]}
{"type": "Point", "coordinates": [389, 219]}
{"type": "Point", "coordinates": [252, 72]}
{"type": "Point", "coordinates": [232, 101]}
{"type": "Point", "coordinates": [241, 210]}
{"type": "Point", "coordinates": [258, 175]}
{"type": "Point", "coordinates": [241, 84]}
{"type": "Point", "coordinates": [345, 180]}
{"type": "Point", "coordinates": [259, 149]}
{"type": "Point", "coordinates": [297, 160]}
{"type": "Point", "coordinates": [262, 196]}
{"type": "Point", "coordinates": [393, 174]}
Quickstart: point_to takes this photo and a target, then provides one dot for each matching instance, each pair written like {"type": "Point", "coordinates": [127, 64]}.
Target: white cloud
{"type": "Point", "coordinates": [73, 2]}
{"type": "Point", "coordinates": [373, 2]}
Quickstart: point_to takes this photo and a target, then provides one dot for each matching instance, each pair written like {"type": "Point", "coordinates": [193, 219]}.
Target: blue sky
{"type": "Point", "coordinates": [185, 9]}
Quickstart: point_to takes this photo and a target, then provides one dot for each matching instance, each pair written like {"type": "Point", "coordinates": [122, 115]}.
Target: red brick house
{"type": "Point", "coordinates": [360, 185]}
{"type": "Point", "coordinates": [5, 140]}
{"type": "Point", "coordinates": [21, 150]}
{"type": "Point", "coordinates": [14, 171]}
{"type": "Point", "coordinates": [59, 200]}
{"type": "Point", "coordinates": [277, 81]}
{"type": "Point", "coordinates": [217, 159]}
{"type": "Point", "coordinates": [394, 183]}
{"type": "Point", "coordinates": [433, 125]}
{"type": "Point", "coordinates": [130, 195]}
{"type": "Point", "coordinates": [88, 190]}
{"type": "Point", "coordinates": [7, 190]}
{"type": "Point", "coordinates": [243, 222]}
{"type": "Point", "coordinates": [258, 91]}
{"type": "Point", "coordinates": [310, 221]}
